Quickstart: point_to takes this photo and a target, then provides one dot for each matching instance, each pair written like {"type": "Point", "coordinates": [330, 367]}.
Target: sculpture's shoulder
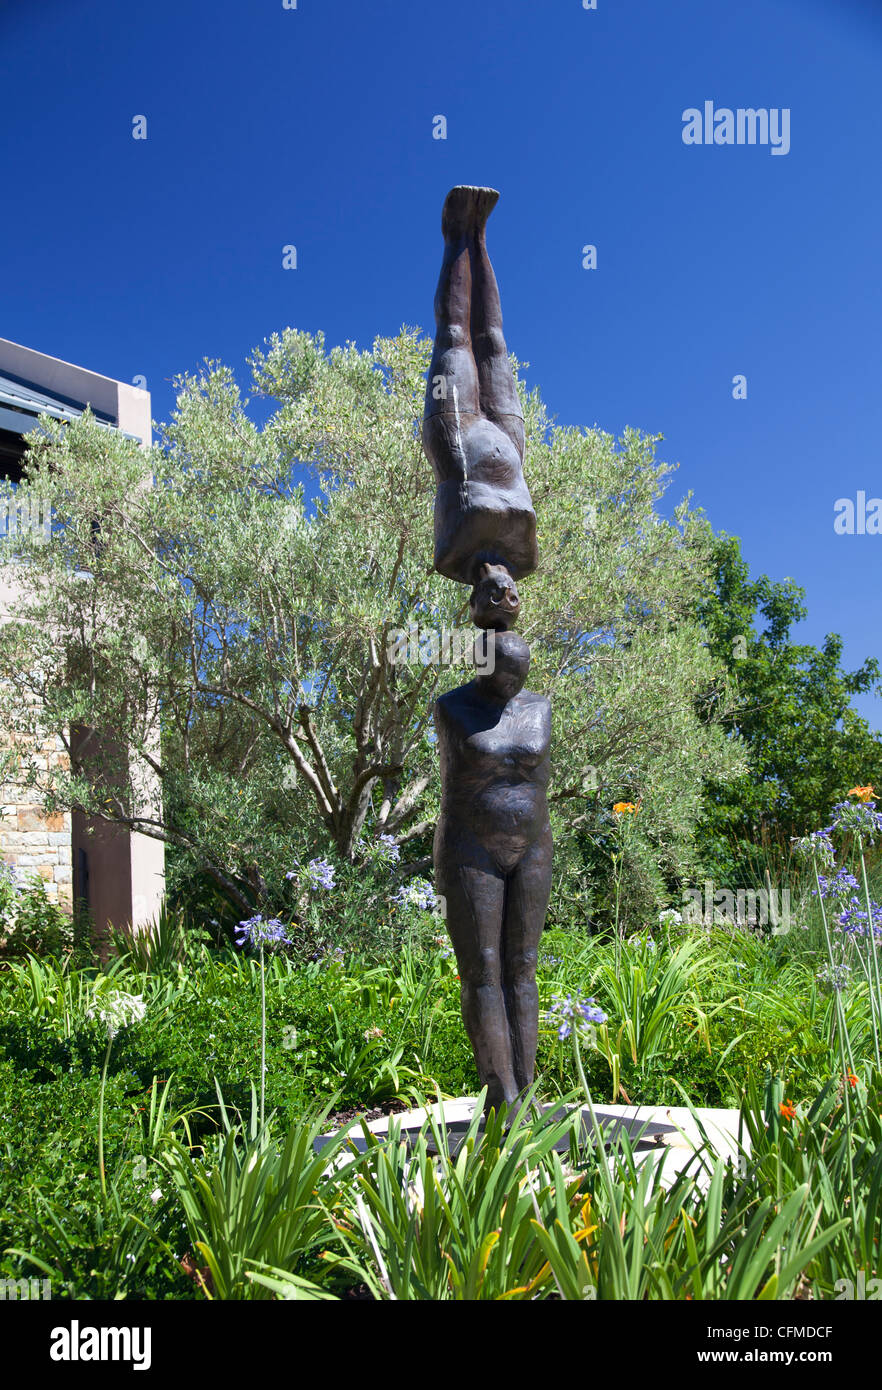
{"type": "Point", "coordinates": [451, 704]}
{"type": "Point", "coordinates": [534, 698]}
{"type": "Point", "coordinates": [538, 706]}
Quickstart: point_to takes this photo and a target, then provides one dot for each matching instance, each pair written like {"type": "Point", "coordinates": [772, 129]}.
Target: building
{"type": "Point", "coordinates": [118, 875]}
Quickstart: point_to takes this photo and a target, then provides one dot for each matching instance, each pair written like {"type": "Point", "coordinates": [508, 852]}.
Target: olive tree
{"type": "Point", "coordinates": [229, 603]}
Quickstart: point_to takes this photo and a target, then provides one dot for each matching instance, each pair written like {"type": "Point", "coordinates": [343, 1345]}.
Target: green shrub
{"type": "Point", "coordinates": [29, 920]}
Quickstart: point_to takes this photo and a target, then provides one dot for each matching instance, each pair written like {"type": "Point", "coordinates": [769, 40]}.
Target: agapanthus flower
{"type": "Point", "coordinates": [269, 933]}
{"type": "Point", "coordinates": [818, 847]}
{"type": "Point", "coordinates": [860, 818]}
{"type": "Point", "coordinates": [118, 1010]}
{"type": "Point", "coordinates": [853, 917]}
{"type": "Point", "coordinates": [417, 893]}
{"type": "Point", "coordinates": [839, 886]}
{"type": "Point", "coordinates": [670, 917]}
{"type": "Point", "coordinates": [568, 1012]}
{"type": "Point", "coordinates": [320, 874]}
{"type": "Point", "coordinates": [834, 977]}
{"type": "Point", "coordinates": [391, 850]}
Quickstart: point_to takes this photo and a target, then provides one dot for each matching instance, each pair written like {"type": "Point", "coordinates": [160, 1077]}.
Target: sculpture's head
{"type": "Point", "coordinates": [494, 601]}
{"type": "Point", "coordinates": [504, 665]}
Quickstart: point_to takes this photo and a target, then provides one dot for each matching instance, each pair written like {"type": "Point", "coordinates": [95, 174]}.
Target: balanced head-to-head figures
{"type": "Point", "coordinates": [493, 838]}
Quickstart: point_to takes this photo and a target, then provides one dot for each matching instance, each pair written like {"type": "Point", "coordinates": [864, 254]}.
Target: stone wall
{"type": "Point", "coordinates": [31, 840]}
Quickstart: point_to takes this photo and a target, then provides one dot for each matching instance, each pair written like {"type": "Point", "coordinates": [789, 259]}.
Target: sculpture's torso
{"type": "Point", "coordinates": [495, 766]}
{"type": "Point", "coordinates": [481, 497]}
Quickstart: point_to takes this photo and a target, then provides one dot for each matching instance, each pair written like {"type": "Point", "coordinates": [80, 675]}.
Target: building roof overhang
{"type": "Point", "coordinates": [22, 405]}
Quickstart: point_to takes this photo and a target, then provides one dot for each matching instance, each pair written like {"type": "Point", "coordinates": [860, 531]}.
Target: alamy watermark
{"type": "Point", "coordinates": [861, 517]}
{"type": "Point", "coordinates": [20, 514]}
{"type": "Point", "coordinates": [745, 125]}
{"type": "Point", "coordinates": [865, 1290]}
{"type": "Point", "coordinates": [20, 1290]}
{"type": "Point", "coordinates": [417, 646]}
{"type": "Point", "coordinates": [750, 908]}
{"type": "Point", "coordinates": [76, 1343]}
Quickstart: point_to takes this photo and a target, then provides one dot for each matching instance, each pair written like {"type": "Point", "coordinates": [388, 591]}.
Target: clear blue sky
{"type": "Point", "coordinates": [313, 127]}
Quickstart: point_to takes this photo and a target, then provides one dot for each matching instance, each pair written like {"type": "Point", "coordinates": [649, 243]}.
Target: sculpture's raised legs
{"type": "Point", "coordinates": [473, 426]}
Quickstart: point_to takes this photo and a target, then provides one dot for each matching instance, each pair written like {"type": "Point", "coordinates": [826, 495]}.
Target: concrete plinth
{"type": "Point", "coordinates": [669, 1136]}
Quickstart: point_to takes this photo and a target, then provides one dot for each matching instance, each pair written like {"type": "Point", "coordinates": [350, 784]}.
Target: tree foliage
{"type": "Point", "coordinates": [805, 744]}
{"type": "Point", "coordinates": [224, 603]}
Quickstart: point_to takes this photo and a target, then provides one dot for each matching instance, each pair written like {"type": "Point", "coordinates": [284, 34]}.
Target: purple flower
{"type": "Point", "coordinates": [859, 817]}
{"type": "Point", "coordinates": [258, 932]}
{"type": "Point", "coordinates": [417, 893]}
{"type": "Point", "coordinates": [567, 1012]}
{"type": "Point", "coordinates": [853, 917]}
{"type": "Point", "coordinates": [391, 850]}
{"type": "Point", "coordinates": [838, 886]}
{"type": "Point", "coordinates": [320, 874]}
{"type": "Point", "coordinates": [835, 978]}
{"type": "Point", "coordinates": [818, 847]}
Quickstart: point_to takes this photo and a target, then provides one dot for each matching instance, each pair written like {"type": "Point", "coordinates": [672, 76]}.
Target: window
{"type": "Point", "coordinates": [12, 449]}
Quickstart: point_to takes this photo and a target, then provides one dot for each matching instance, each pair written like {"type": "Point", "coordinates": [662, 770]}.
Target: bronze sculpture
{"type": "Point", "coordinates": [492, 850]}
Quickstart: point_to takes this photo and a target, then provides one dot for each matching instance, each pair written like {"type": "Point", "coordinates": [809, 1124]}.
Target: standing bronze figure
{"type": "Point", "coordinates": [493, 859]}
{"type": "Point", "coordinates": [493, 838]}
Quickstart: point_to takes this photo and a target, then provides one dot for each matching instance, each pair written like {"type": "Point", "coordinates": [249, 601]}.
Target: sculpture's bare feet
{"type": "Point", "coordinates": [466, 210]}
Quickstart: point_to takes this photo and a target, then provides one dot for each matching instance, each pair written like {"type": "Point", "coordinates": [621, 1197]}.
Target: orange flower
{"type": "Point", "coordinates": [862, 793]}
{"type": "Point", "coordinates": [788, 1110]}
{"type": "Point", "coordinates": [851, 1078]}
{"type": "Point", "coordinates": [622, 808]}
